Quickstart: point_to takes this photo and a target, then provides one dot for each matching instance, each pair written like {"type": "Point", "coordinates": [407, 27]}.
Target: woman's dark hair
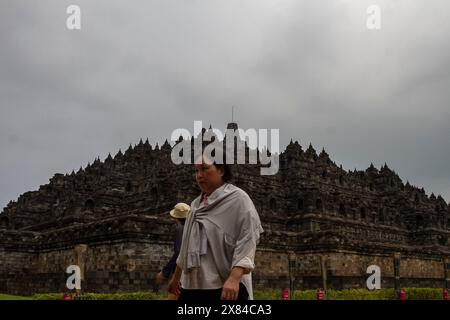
{"type": "Point", "coordinates": [227, 171]}
{"type": "Point", "coordinates": [182, 221]}
{"type": "Point", "coordinates": [227, 168]}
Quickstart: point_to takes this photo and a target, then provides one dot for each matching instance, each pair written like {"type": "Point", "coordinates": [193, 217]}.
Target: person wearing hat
{"type": "Point", "coordinates": [179, 213]}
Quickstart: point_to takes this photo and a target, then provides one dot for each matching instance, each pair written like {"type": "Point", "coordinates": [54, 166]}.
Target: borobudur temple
{"type": "Point", "coordinates": [323, 225]}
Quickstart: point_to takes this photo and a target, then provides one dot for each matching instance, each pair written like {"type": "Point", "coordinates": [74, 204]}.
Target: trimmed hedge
{"type": "Point", "coordinates": [103, 296]}
{"type": "Point", "coordinates": [355, 294]}
{"type": "Point", "coordinates": [351, 294]}
{"type": "Point", "coordinates": [424, 294]}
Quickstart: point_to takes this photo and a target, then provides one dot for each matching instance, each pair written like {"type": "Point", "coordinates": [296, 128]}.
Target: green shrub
{"type": "Point", "coordinates": [423, 293]}
{"type": "Point", "coordinates": [48, 296]}
{"type": "Point", "coordinates": [273, 294]}
{"type": "Point", "coordinates": [103, 296]}
{"type": "Point", "coordinates": [124, 296]}
{"type": "Point", "coordinates": [270, 294]}
{"type": "Point", "coordinates": [354, 294]}
{"type": "Point", "coordinates": [304, 295]}
{"type": "Point", "coordinates": [361, 294]}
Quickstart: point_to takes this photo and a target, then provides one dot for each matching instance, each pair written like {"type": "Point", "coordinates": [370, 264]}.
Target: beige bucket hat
{"type": "Point", "coordinates": [180, 211]}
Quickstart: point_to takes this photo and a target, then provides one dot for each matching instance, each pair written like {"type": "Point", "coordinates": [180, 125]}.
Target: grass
{"type": "Point", "coordinates": [11, 297]}
{"type": "Point", "coordinates": [353, 294]}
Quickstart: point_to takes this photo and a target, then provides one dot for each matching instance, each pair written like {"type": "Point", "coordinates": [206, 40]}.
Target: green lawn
{"type": "Point", "coordinates": [11, 297]}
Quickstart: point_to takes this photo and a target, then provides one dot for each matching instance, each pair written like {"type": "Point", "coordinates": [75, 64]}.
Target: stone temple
{"type": "Point", "coordinates": [324, 226]}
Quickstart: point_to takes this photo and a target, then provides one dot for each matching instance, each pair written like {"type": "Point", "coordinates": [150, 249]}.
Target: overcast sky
{"type": "Point", "coordinates": [140, 69]}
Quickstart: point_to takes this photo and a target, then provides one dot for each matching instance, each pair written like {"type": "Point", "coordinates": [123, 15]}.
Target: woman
{"type": "Point", "coordinates": [219, 240]}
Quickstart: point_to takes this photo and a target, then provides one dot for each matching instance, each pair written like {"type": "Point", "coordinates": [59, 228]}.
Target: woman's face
{"type": "Point", "coordinates": [208, 177]}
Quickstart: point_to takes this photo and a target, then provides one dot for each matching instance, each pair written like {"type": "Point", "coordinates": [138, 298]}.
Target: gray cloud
{"type": "Point", "coordinates": [143, 68]}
